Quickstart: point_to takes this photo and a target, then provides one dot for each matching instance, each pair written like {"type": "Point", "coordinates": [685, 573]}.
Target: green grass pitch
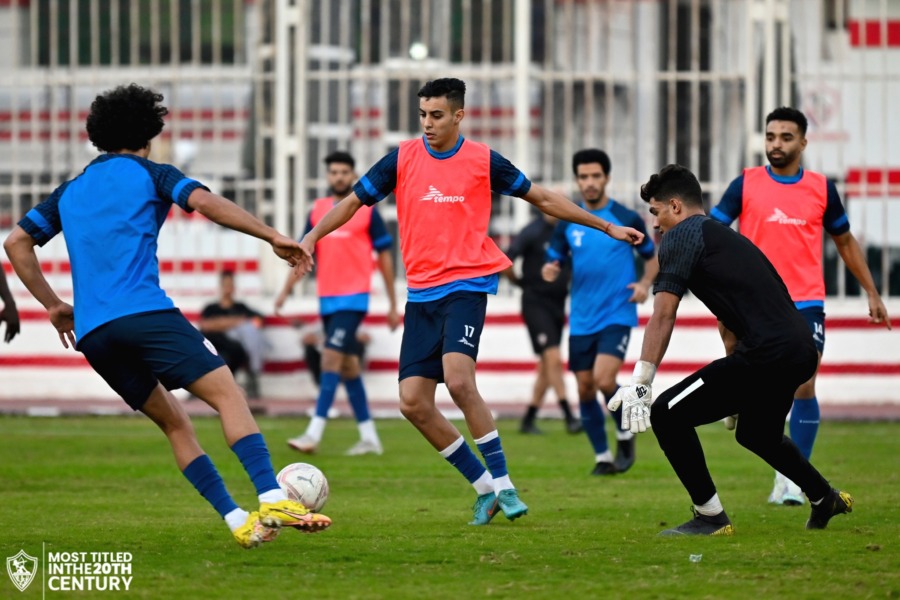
{"type": "Point", "coordinates": [400, 520]}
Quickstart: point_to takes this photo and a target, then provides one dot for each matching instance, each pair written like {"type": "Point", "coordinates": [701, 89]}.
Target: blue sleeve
{"type": "Point", "coordinates": [379, 181]}
{"type": "Point", "coordinates": [559, 244]}
{"type": "Point", "coordinates": [729, 208]}
{"type": "Point", "coordinates": [42, 222]}
{"type": "Point", "coordinates": [309, 224]}
{"type": "Point", "coordinates": [381, 239]}
{"type": "Point", "coordinates": [506, 179]}
{"type": "Point", "coordinates": [171, 184]}
{"type": "Point", "coordinates": [835, 219]}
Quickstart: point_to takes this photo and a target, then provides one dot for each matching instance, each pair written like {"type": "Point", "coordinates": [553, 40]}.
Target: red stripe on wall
{"type": "Point", "coordinates": [485, 366]}
{"type": "Point", "coordinates": [165, 266]}
{"type": "Point", "coordinates": [873, 181]}
{"type": "Point", "coordinates": [874, 33]}
{"type": "Point", "coordinates": [30, 314]}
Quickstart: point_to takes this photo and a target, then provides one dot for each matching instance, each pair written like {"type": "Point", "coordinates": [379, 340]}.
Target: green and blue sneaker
{"type": "Point", "coordinates": [485, 508]}
{"type": "Point", "coordinates": [510, 504]}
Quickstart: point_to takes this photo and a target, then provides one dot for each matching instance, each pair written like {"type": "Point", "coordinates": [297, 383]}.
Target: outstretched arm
{"type": "Point", "coordinates": [641, 289]}
{"type": "Point", "coordinates": [292, 278]}
{"type": "Point", "coordinates": [9, 314]}
{"type": "Point", "coordinates": [557, 205]}
{"type": "Point", "coordinates": [19, 248]}
{"type": "Point", "coordinates": [855, 260]}
{"type": "Point", "coordinates": [339, 214]}
{"type": "Point", "coordinates": [228, 214]}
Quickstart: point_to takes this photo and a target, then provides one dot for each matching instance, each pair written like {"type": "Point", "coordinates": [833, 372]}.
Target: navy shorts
{"type": "Point", "coordinates": [433, 329]}
{"type": "Point", "coordinates": [340, 331]}
{"type": "Point", "coordinates": [815, 318]}
{"type": "Point", "coordinates": [135, 352]}
{"type": "Point", "coordinates": [583, 349]}
{"type": "Point", "coordinates": [545, 321]}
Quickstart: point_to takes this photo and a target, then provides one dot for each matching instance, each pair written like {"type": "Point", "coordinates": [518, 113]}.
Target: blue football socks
{"type": "Point", "coordinates": [253, 453]}
{"type": "Point", "coordinates": [327, 390]}
{"type": "Point", "coordinates": [593, 420]}
{"type": "Point", "coordinates": [204, 476]}
{"type": "Point", "coordinates": [805, 424]}
{"type": "Point", "coordinates": [356, 395]}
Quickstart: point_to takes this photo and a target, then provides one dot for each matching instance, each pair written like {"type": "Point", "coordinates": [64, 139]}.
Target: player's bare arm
{"type": "Point", "coordinates": [557, 205]}
{"type": "Point", "coordinates": [386, 266]}
{"type": "Point", "coordinates": [342, 212]}
{"type": "Point", "coordinates": [659, 328]}
{"type": "Point", "coordinates": [641, 289]}
{"type": "Point", "coordinates": [729, 340]}
{"type": "Point", "coordinates": [9, 314]}
{"type": "Point", "coordinates": [228, 214]}
{"type": "Point", "coordinates": [19, 248]}
{"type": "Point", "coordinates": [292, 278]}
{"type": "Point", "coordinates": [853, 257]}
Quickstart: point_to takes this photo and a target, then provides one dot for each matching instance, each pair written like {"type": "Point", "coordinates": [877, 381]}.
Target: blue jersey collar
{"type": "Point", "coordinates": [785, 178]}
{"type": "Point", "coordinates": [446, 154]}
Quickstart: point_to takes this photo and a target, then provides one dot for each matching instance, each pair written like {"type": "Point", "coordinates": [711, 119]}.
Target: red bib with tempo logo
{"type": "Point", "coordinates": [443, 211]}
{"type": "Point", "coordinates": [785, 222]}
{"type": "Point", "coordinates": [344, 257]}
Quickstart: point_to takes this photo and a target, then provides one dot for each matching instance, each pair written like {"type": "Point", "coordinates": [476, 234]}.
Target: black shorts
{"type": "Point", "coordinates": [136, 352]}
{"type": "Point", "coordinates": [545, 321]}
{"type": "Point", "coordinates": [432, 329]}
{"type": "Point", "coordinates": [340, 331]}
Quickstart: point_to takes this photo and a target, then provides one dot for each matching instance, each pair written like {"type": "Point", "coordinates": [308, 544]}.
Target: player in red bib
{"type": "Point", "coordinates": [344, 279]}
{"type": "Point", "coordinates": [443, 184]}
{"type": "Point", "coordinates": [783, 209]}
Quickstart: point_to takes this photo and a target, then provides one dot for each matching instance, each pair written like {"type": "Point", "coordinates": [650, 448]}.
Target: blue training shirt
{"type": "Point", "coordinates": [602, 268]}
{"type": "Point", "coordinates": [381, 241]}
{"type": "Point", "coordinates": [110, 216]}
{"type": "Point", "coordinates": [381, 179]}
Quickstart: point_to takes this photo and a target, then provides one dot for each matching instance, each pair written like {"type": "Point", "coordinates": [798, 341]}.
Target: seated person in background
{"type": "Point", "coordinates": [236, 331]}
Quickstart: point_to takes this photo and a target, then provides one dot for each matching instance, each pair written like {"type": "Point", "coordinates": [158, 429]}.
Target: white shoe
{"type": "Point", "coordinates": [365, 447]}
{"type": "Point", "coordinates": [793, 495]}
{"type": "Point", "coordinates": [304, 443]}
{"type": "Point", "coordinates": [777, 495]}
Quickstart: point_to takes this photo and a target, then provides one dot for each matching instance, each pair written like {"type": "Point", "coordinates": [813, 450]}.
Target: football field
{"type": "Point", "coordinates": [109, 484]}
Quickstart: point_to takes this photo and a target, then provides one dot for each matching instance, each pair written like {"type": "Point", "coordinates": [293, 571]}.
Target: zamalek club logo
{"type": "Point", "coordinates": [435, 195]}
{"type": "Point", "coordinates": [21, 569]}
{"type": "Point", "coordinates": [778, 216]}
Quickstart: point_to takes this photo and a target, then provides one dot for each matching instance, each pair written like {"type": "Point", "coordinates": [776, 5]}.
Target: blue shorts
{"type": "Point", "coordinates": [136, 352]}
{"type": "Point", "coordinates": [432, 329]}
{"type": "Point", "coordinates": [583, 349]}
{"type": "Point", "coordinates": [815, 318]}
{"type": "Point", "coordinates": [340, 331]}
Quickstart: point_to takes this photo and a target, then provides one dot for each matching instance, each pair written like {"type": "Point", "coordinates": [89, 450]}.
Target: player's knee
{"type": "Point", "coordinates": [460, 387]}
{"type": "Point", "coordinates": [414, 411]}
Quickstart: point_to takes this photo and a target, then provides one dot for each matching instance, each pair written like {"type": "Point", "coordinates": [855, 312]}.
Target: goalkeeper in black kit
{"type": "Point", "coordinates": [774, 355]}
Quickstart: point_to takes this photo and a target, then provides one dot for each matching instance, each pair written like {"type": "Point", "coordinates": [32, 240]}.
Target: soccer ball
{"type": "Point", "coordinates": [304, 483]}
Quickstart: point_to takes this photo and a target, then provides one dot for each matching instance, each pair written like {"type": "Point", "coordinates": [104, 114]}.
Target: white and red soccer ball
{"type": "Point", "coordinates": [304, 483]}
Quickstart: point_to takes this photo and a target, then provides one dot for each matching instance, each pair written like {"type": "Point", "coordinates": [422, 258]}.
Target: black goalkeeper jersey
{"type": "Point", "coordinates": [735, 280]}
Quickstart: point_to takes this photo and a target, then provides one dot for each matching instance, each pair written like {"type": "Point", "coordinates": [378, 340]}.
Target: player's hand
{"type": "Point", "coordinates": [550, 271]}
{"type": "Point", "coordinates": [877, 312]}
{"type": "Point", "coordinates": [287, 249]}
{"type": "Point", "coordinates": [639, 292]}
{"type": "Point", "coordinates": [306, 264]}
{"type": "Point", "coordinates": [62, 316]}
{"type": "Point", "coordinates": [10, 316]}
{"type": "Point", "coordinates": [393, 319]}
{"type": "Point", "coordinates": [634, 400]}
{"type": "Point", "coordinates": [629, 235]}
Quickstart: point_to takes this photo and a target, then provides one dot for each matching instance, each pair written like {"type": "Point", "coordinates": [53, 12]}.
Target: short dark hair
{"type": "Point", "coordinates": [786, 113]}
{"type": "Point", "coordinates": [673, 181]}
{"type": "Point", "coordinates": [341, 157]}
{"type": "Point", "coordinates": [590, 156]}
{"type": "Point", "coordinates": [226, 273]}
{"type": "Point", "coordinates": [125, 118]}
{"type": "Point", "coordinates": [453, 89]}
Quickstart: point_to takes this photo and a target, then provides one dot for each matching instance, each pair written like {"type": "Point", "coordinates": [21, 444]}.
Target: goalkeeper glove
{"type": "Point", "coordinates": [636, 399]}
